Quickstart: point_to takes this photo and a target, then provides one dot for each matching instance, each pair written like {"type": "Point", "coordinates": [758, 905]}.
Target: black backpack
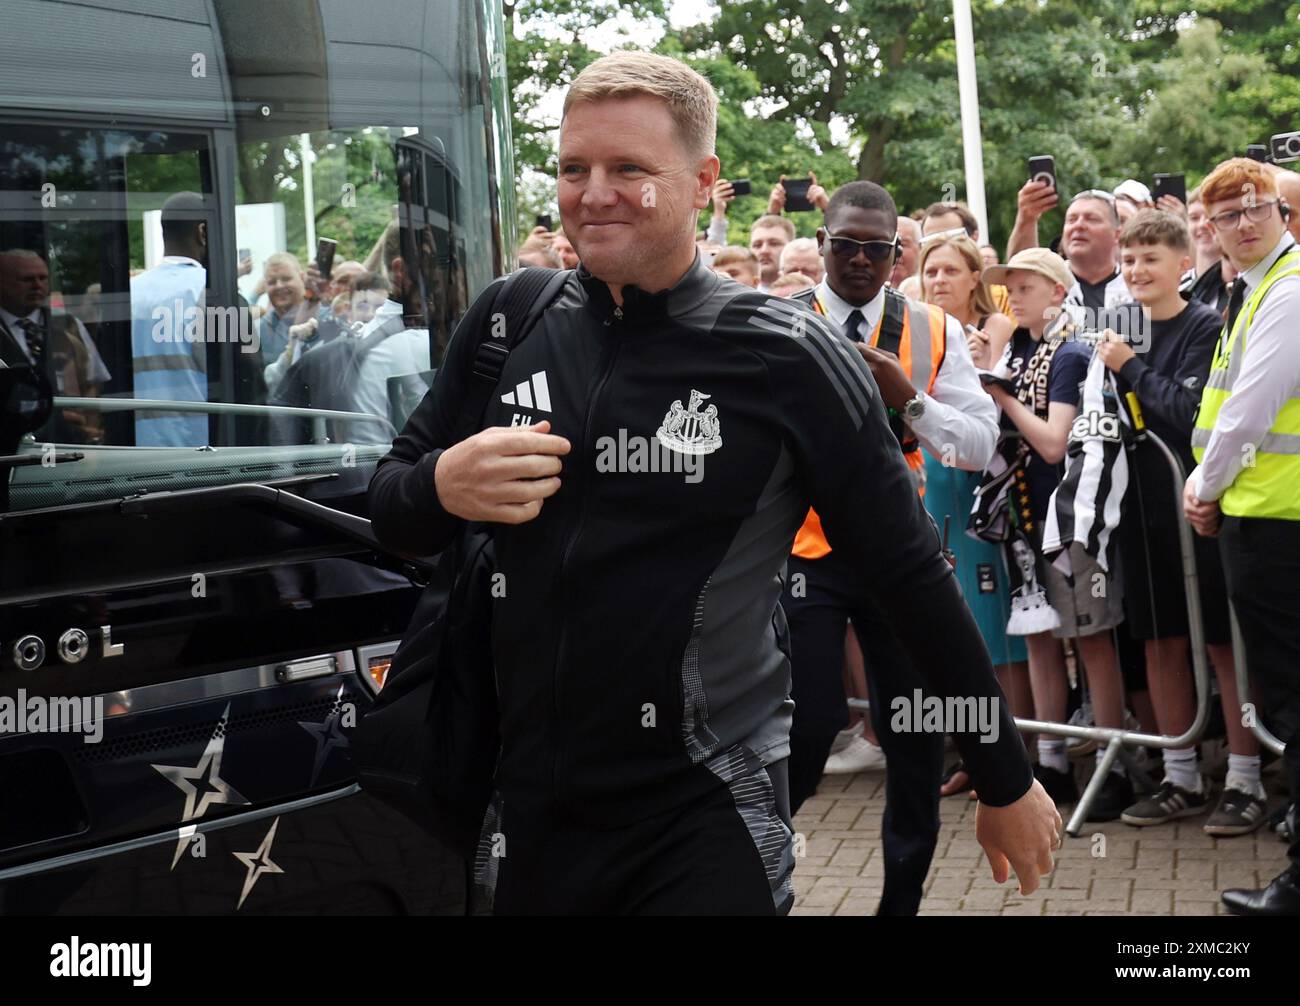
{"type": "Point", "coordinates": [428, 745]}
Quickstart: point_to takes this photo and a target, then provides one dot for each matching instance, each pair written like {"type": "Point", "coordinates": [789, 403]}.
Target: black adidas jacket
{"type": "Point", "coordinates": [640, 639]}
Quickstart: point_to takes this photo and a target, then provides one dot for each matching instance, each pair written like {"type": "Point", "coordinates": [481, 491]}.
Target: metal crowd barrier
{"type": "Point", "coordinates": [1266, 736]}
{"type": "Point", "coordinates": [1116, 739]}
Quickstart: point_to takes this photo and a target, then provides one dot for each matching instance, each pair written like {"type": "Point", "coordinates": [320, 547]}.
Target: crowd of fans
{"type": "Point", "coordinates": [1139, 287]}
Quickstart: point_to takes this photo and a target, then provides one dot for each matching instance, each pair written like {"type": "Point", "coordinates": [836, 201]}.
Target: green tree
{"type": "Point", "coordinates": [1196, 108]}
{"type": "Point", "coordinates": [868, 89]}
{"type": "Point", "coordinates": [1049, 80]}
{"type": "Point", "coordinates": [1251, 104]}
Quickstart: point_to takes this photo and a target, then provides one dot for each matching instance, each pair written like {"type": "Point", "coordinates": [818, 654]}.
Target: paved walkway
{"type": "Point", "coordinates": [1110, 869]}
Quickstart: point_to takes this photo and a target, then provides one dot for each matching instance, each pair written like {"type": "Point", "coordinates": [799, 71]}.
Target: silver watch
{"type": "Point", "coordinates": [914, 408]}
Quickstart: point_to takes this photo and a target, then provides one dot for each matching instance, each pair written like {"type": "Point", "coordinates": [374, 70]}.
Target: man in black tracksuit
{"type": "Point", "coordinates": [643, 679]}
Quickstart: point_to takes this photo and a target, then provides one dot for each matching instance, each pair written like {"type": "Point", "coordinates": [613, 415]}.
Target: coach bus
{"type": "Point", "coordinates": [193, 609]}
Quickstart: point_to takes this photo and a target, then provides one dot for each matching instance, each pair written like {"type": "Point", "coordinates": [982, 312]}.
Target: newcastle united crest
{"type": "Point", "coordinates": [690, 431]}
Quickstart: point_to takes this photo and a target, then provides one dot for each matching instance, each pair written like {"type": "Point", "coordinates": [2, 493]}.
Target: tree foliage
{"type": "Point", "coordinates": [868, 89]}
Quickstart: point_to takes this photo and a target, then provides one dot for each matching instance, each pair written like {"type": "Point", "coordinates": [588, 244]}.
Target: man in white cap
{"type": "Point", "coordinates": [1131, 196]}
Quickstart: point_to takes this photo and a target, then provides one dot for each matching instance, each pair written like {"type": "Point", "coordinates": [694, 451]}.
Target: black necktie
{"type": "Point", "coordinates": [1235, 301]}
{"type": "Point", "coordinates": [35, 335]}
{"type": "Point", "coordinates": [853, 324]}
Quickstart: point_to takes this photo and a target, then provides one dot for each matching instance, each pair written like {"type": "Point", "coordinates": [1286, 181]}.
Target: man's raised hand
{"type": "Point", "coordinates": [501, 474]}
{"type": "Point", "coordinates": [1034, 199]}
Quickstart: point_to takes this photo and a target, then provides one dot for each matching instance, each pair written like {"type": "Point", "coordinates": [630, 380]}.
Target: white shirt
{"type": "Point", "coordinates": [960, 422]}
{"type": "Point", "coordinates": [96, 371]}
{"type": "Point", "coordinates": [1269, 375]}
{"type": "Point", "coordinates": [401, 354]}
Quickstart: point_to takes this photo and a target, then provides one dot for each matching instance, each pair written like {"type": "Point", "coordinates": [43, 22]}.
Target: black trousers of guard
{"type": "Point", "coordinates": [821, 596]}
{"type": "Point", "coordinates": [1261, 561]}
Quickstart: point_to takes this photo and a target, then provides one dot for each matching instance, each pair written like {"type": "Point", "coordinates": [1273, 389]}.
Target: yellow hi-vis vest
{"type": "Point", "coordinates": [1269, 486]}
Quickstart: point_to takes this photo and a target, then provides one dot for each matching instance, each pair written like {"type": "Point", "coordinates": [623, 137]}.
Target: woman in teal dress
{"type": "Point", "coordinates": [950, 277]}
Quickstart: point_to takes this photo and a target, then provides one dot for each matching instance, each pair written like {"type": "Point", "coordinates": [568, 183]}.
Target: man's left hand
{"type": "Point", "coordinates": [895, 386]}
{"type": "Point", "coordinates": [1204, 515]}
{"type": "Point", "coordinates": [1021, 836]}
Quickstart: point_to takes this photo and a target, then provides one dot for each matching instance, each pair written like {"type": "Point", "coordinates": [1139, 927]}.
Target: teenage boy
{"type": "Point", "coordinates": [1046, 367]}
{"type": "Point", "coordinates": [1167, 375]}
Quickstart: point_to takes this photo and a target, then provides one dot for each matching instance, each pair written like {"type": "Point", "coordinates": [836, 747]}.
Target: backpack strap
{"type": "Point", "coordinates": [520, 302]}
{"type": "Point", "coordinates": [395, 324]}
{"type": "Point", "coordinates": [891, 322]}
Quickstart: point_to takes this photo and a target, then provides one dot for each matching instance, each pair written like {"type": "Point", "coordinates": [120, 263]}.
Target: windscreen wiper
{"type": "Point", "coordinates": [290, 508]}
{"type": "Point", "coordinates": [62, 511]}
{"type": "Point", "coordinates": [8, 461]}
{"type": "Point", "coordinates": [272, 493]}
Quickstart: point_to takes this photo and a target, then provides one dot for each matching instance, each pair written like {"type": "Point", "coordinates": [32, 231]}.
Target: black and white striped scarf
{"type": "Point", "coordinates": [1086, 505]}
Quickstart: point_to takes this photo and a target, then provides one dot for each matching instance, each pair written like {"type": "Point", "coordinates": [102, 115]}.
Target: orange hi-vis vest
{"type": "Point", "coordinates": [923, 368]}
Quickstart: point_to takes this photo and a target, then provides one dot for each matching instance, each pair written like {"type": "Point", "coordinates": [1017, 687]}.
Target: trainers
{"type": "Point", "coordinates": [1060, 786]}
{"type": "Point", "coordinates": [1165, 804]}
{"type": "Point", "coordinates": [1078, 747]}
{"type": "Point", "coordinates": [845, 737]}
{"type": "Point", "coordinates": [859, 755]}
{"type": "Point", "coordinates": [1115, 794]}
{"type": "Point", "coordinates": [1238, 813]}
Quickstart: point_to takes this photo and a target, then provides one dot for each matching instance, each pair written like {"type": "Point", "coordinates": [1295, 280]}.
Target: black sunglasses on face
{"type": "Point", "coordinates": [847, 248]}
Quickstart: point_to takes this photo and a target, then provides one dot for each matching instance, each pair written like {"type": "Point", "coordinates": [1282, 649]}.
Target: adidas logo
{"type": "Point", "coordinates": [533, 393]}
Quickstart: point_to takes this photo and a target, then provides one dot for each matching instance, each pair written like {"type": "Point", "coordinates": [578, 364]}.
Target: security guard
{"type": "Point", "coordinates": [169, 358]}
{"type": "Point", "coordinates": [1246, 487]}
{"type": "Point", "coordinates": [920, 361]}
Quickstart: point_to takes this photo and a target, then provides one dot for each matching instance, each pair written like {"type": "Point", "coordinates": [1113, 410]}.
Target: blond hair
{"type": "Point", "coordinates": [772, 220]}
{"type": "Point", "coordinates": [736, 255]}
{"type": "Point", "coordinates": [791, 281]}
{"type": "Point", "coordinates": [690, 98]}
{"type": "Point", "coordinates": [282, 258]}
{"type": "Point", "coordinates": [981, 297]}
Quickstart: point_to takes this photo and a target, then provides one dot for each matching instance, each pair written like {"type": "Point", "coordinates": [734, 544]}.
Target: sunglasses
{"type": "Point", "coordinates": [848, 248]}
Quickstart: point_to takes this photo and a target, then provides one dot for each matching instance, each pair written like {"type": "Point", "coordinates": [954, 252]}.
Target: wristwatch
{"type": "Point", "coordinates": [914, 408]}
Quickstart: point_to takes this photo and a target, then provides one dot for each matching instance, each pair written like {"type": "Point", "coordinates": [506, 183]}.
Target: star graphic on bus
{"type": "Point", "coordinates": [258, 863]}
{"type": "Point", "coordinates": [210, 788]}
{"type": "Point", "coordinates": [328, 735]}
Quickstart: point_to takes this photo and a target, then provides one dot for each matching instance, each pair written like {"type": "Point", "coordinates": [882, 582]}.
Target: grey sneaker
{"type": "Point", "coordinates": [1166, 804]}
{"type": "Point", "coordinates": [1079, 747]}
{"type": "Point", "coordinates": [1238, 813]}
